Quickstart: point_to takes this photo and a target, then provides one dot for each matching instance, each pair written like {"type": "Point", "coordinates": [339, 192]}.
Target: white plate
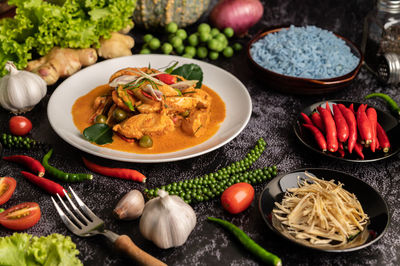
{"type": "Point", "coordinates": [230, 89]}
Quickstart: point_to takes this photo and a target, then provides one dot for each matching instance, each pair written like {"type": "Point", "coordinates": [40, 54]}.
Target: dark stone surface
{"type": "Point", "coordinates": [272, 118]}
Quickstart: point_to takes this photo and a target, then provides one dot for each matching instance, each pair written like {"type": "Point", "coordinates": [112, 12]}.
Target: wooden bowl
{"type": "Point", "coordinates": [296, 85]}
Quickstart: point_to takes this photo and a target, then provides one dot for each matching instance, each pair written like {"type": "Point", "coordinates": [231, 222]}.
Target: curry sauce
{"type": "Point", "coordinates": [176, 140]}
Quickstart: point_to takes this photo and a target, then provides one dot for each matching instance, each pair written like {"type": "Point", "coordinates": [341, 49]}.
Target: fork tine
{"type": "Point", "coordinates": [83, 206]}
{"type": "Point", "coordinates": [75, 208]}
{"type": "Point", "coordinates": [71, 226]}
{"type": "Point", "coordinates": [76, 220]}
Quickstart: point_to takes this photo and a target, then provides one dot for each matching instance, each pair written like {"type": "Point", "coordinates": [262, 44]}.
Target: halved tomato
{"type": "Point", "coordinates": [21, 216]}
{"type": "Point", "coordinates": [7, 187]}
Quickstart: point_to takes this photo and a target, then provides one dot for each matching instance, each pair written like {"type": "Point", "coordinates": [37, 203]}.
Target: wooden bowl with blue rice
{"type": "Point", "coordinates": [299, 85]}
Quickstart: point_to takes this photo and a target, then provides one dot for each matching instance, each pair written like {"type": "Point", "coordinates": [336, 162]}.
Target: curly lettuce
{"type": "Point", "coordinates": [24, 249]}
{"type": "Point", "coordinates": [40, 25]}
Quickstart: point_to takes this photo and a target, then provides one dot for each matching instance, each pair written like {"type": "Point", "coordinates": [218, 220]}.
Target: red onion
{"type": "Point", "coordinates": [240, 15]}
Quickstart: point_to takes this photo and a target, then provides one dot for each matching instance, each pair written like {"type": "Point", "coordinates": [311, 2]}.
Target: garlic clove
{"type": "Point", "coordinates": [130, 207]}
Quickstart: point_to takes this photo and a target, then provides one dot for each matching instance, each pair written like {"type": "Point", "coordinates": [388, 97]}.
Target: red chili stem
{"type": "Point", "coordinates": [306, 119]}
{"type": "Point", "coordinates": [122, 173]}
{"type": "Point", "coordinates": [44, 183]}
{"type": "Point", "coordinates": [373, 119]}
{"type": "Point", "coordinates": [317, 121]}
{"type": "Point", "coordinates": [358, 149]}
{"type": "Point", "coordinates": [319, 137]}
{"type": "Point", "coordinates": [330, 129]}
{"type": "Point", "coordinates": [30, 163]}
{"type": "Point", "coordinates": [364, 125]}
{"type": "Point", "coordinates": [383, 139]}
{"type": "Point", "coordinates": [341, 125]}
{"type": "Point", "coordinates": [352, 124]}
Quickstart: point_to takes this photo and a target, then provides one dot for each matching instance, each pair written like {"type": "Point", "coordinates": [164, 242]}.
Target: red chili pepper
{"type": "Point", "coordinates": [383, 139]}
{"type": "Point", "coordinates": [364, 125]}
{"type": "Point", "coordinates": [373, 119]}
{"type": "Point", "coordinates": [319, 137]}
{"type": "Point", "coordinates": [341, 149]}
{"type": "Point", "coordinates": [148, 95]}
{"type": "Point", "coordinates": [327, 107]}
{"type": "Point", "coordinates": [351, 107]}
{"type": "Point", "coordinates": [352, 124]}
{"type": "Point", "coordinates": [29, 162]}
{"type": "Point", "coordinates": [317, 121]}
{"type": "Point", "coordinates": [341, 125]}
{"type": "Point", "coordinates": [123, 173]}
{"type": "Point", "coordinates": [358, 149]}
{"type": "Point", "coordinates": [330, 129]}
{"type": "Point", "coordinates": [44, 183]}
{"type": "Point", "coordinates": [306, 119]}
{"type": "Point", "coordinates": [130, 140]}
{"type": "Point", "coordinates": [167, 78]}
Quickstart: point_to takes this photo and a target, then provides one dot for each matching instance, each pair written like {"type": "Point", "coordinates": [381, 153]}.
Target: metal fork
{"type": "Point", "coordinates": [85, 223]}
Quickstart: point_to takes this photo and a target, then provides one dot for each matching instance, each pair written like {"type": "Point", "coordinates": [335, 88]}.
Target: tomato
{"type": "Point", "coordinates": [7, 187]}
{"type": "Point", "coordinates": [21, 216]}
{"type": "Point", "coordinates": [167, 78]}
{"type": "Point", "coordinates": [19, 125]}
{"type": "Point", "coordinates": [237, 197]}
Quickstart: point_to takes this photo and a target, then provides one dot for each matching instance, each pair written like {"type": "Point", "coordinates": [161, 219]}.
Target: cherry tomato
{"type": "Point", "coordinates": [19, 125]}
{"type": "Point", "coordinates": [21, 216]}
{"type": "Point", "coordinates": [167, 78]}
{"type": "Point", "coordinates": [237, 197]}
{"type": "Point", "coordinates": [7, 187]}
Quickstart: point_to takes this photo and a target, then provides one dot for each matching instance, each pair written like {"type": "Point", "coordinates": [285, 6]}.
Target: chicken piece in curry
{"type": "Point", "coordinates": [144, 102]}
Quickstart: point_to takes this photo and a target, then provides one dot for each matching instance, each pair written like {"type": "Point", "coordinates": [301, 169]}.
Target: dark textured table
{"type": "Point", "coordinates": [272, 118]}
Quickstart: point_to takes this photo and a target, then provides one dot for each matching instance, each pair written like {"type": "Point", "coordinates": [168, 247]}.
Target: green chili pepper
{"type": "Point", "coordinates": [249, 243]}
{"type": "Point", "coordinates": [392, 104]}
{"type": "Point", "coordinates": [1, 210]}
{"type": "Point", "coordinates": [66, 177]}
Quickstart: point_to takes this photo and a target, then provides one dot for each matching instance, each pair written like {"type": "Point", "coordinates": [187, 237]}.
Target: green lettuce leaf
{"type": "Point", "coordinates": [40, 25]}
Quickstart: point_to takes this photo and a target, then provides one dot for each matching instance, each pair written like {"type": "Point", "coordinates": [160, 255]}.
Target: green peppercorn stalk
{"type": "Point", "coordinates": [212, 185]}
{"type": "Point", "coordinates": [19, 142]}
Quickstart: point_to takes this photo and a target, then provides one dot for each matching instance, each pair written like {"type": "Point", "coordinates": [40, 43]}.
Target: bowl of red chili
{"type": "Point", "coordinates": [388, 123]}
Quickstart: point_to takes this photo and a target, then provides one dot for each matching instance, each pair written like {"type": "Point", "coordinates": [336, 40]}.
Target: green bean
{"type": "Point", "coordinates": [249, 243]}
{"type": "Point", "coordinates": [66, 177]}
{"type": "Point", "coordinates": [392, 104]}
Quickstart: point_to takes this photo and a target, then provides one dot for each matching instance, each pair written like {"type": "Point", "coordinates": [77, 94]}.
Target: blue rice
{"type": "Point", "coordinates": [306, 52]}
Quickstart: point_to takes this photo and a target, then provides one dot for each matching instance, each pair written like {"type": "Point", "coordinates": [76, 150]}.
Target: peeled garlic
{"type": "Point", "coordinates": [167, 220]}
{"type": "Point", "coordinates": [21, 90]}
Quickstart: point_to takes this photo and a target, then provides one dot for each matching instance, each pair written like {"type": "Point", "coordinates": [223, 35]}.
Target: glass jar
{"type": "Point", "coordinates": [381, 41]}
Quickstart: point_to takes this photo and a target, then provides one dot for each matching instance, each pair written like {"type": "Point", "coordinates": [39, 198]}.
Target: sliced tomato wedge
{"type": "Point", "coordinates": [21, 216]}
{"type": "Point", "coordinates": [7, 187]}
{"type": "Point", "coordinates": [167, 78]}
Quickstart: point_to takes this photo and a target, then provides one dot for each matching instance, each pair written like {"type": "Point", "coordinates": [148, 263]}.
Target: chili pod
{"type": "Point", "coordinates": [30, 163]}
{"type": "Point", "coordinates": [373, 119]}
{"type": "Point", "coordinates": [383, 139]}
{"type": "Point", "coordinates": [318, 136]}
{"type": "Point", "coordinates": [358, 149]}
{"type": "Point", "coordinates": [352, 124]}
{"type": "Point", "coordinates": [248, 243]}
{"type": "Point", "coordinates": [364, 125]}
{"type": "Point", "coordinates": [122, 173]}
{"type": "Point", "coordinates": [306, 119]}
{"type": "Point", "coordinates": [392, 104]}
{"type": "Point", "coordinates": [66, 177]}
{"type": "Point", "coordinates": [317, 121]}
{"type": "Point", "coordinates": [330, 129]}
{"type": "Point", "coordinates": [341, 125]}
{"type": "Point", "coordinates": [341, 149]}
{"type": "Point", "coordinates": [44, 183]}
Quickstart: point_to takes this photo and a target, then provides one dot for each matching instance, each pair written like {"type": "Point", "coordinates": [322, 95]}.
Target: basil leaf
{"type": "Point", "coordinates": [190, 72]}
{"type": "Point", "coordinates": [98, 133]}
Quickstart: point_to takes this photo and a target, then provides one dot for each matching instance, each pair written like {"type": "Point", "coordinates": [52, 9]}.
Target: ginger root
{"type": "Point", "coordinates": [62, 62]}
{"type": "Point", "coordinates": [116, 46]}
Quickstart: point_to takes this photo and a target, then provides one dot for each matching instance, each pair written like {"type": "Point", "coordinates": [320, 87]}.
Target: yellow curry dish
{"type": "Point", "coordinates": [150, 111]}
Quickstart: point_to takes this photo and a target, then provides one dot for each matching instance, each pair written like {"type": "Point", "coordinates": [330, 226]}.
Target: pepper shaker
{"type": "Point", "coordinates": [381, 41]}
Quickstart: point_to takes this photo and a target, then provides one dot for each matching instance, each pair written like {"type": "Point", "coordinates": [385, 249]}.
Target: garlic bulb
{"type": "Point", "coordinates": [21, 90]}
{"type": "Point", "coordinates": [167, 220]}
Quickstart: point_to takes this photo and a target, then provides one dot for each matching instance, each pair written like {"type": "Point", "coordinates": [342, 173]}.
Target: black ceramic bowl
{"type": "Point", "coordinates": [373, 204]}
{"type": "Point", "coordinates": [388, 122]}
{"type": "Point", "coordinates": [295, 85]}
